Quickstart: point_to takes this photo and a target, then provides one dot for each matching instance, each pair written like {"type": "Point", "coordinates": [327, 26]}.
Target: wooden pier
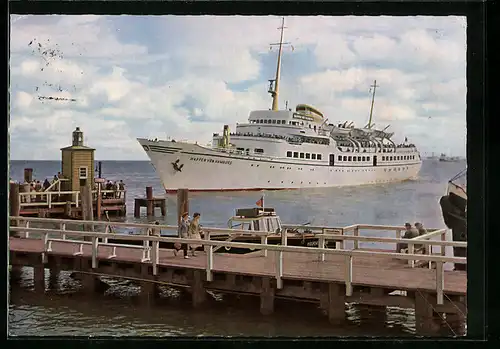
{"type": "Point", "coordinates": [328, 277]}
{"type": "Point", "coordinates": [54, 202]}
{"type": "Point", "coordinates": [150, 202]}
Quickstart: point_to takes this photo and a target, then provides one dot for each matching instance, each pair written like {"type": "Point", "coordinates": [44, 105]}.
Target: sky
{"type": "Point", "coordinates": [184, 77]}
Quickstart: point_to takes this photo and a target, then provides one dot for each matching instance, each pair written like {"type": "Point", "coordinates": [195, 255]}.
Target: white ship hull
{"type": "Point", "coordinates": [204, 169]}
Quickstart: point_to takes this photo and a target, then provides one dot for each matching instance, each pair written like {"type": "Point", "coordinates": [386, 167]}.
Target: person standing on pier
{"type": "Point", "coordinates": [183, 233]}
{"type": "Point", "coordinates": [194, 231]}
{"type": "Point", "coordinates": [121, 187]}
{"type": "Point", "coordinates": [410, 233]}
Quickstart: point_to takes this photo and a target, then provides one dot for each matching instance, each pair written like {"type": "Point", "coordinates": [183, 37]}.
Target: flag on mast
{"type": "Point", "coordinates": [260, 202]}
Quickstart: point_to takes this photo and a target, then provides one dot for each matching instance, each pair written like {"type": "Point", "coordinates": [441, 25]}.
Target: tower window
{"type": "Point", "coordinates": [288, 154]}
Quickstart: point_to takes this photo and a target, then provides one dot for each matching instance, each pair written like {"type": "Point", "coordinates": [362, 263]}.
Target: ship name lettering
{"type": "Point", "coordinates": [215, 161]}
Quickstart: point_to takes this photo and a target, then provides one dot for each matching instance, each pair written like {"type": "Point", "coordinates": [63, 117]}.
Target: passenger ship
{"type": "Point", "coordinates": [284, 149]}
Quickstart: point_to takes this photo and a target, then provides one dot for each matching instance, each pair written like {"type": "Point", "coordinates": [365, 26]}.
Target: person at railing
{"type": "Point", "coordinates": [46, 184]}
{"type": "Point", "coordinates": [410, 233]}
{"type": "Point", "coordinates": [121, 186]}
{"type": "Point", "coordinates": [114, 187]}
{"type": "Point", "coordinates": [183, 233]}
{"type": "Point", "coordinates": [194, 232]}
{"type": "Point", "coordinates": [421, 231]}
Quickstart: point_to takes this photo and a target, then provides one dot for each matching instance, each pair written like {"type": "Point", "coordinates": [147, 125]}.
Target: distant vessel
{"type": "Point", "coordinates": [285, 149]}
{"type": "Point", "coordinates": [446, 158]}
{"type": "Point", "coordinates": [454, 209]}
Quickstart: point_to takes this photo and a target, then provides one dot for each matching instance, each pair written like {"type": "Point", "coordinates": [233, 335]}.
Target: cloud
{"type": "Point", "coordinates": [124, 77]}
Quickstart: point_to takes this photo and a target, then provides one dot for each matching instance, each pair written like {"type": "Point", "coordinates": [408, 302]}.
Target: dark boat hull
{"type": "Point", "coordinates": [455, 218]}
{"type": "Point", "coordinates": [292, 241]}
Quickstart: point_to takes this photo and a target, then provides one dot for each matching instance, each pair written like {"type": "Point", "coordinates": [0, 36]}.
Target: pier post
{"type": "Point", "coordinates": [424, 313]}
{"type": "Point", "coordinates": [198, 288]}
{"type": "Point", "coordinates": [54, 273]}
{"type": "Point", "coordinates": [182, 203]}
{"type": "Point", "coordinates": [98, 202]}
{"type": "Point", "coordinates": [149, 290]}
{"type": "Point", "coordinates": [39, 278]}
{"type": "Point", "coordinates": [28, 175]}
{"type": "Point", "coordinates": [149, 202]}
{"type": "Point", "coordinates": [87, 211]}
{"type": "Point", "coordinates": [137, 208]}
{"type": "Point", "coordinates": [163, 208]}
{"type": "Point", "coordinates": [336, 303]}
{"type": "Point", "coordinates": [14, 207]}
{"type": "Point", "coordinates": [266, 296]}
{"type": "Point", "coordinates": [457, 322]}
{"type": "Point", "coordinates": [15, 274]}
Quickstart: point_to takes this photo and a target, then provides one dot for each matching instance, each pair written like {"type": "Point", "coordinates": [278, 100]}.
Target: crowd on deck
{"type": "Point", "coordinates": [49, 185]}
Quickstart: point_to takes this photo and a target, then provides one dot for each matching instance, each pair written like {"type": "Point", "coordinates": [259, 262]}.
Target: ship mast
{"type": "Point", "coordinates": [275, 91]}
{"type": "Point", "coordinates": [373, 100]}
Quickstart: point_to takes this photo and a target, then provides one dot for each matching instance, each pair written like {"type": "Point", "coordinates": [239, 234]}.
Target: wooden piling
{"type": "Point", "coordinates": [54, 273]}
{"type": "Point", "coordinates": [28, 175]}
{"type": "Point", "coordinates": [149, 290]}
{"type": "Point", "coordinates": [266, 297]}
{"type": "Point", "coordinates": [457, 323]}
{"type": "Point", "coordinates": [15, 274]}
{"type": "Point", "coordinates": [39, 278]}
{"type": "Point", "coordinates": [87, 211]}
{"type": "Point", "coordinates": [99, 200]}
{"type": "Point", "coordinates": [150, 204]}
{"type": "Point", "coordinates": [336, 303]}
{"type": "Point", "coordinates": [14, 204]}
{"type": "Point", "coordinates": [182, 203]}
{"type": "Point", "coordinates": [198, 288]}
{"type": "Point", "coordinates": [424, 313]}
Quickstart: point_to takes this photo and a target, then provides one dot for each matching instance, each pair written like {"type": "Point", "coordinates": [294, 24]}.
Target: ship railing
{"type": "Point", "coordinates": [53, 198]}
{"type": "Point", "coordinates": [151, 251]}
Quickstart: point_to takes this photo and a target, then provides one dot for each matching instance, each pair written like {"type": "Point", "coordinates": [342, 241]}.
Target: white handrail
{"type": "Point", "coordinates": [393, 240]}
{"type": "Point", "coordinates": [349, 254]}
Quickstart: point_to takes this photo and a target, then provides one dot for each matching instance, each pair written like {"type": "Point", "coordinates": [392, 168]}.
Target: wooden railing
{"type": "Point", "coordinates": [47, 197]}
{"type": "Point", "coordinates": [56, 183]}
{"type": "Point", "coordinates": [150, 246]}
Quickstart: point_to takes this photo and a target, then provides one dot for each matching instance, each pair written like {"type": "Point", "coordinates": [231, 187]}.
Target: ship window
{"type": "Point", "coordinates": [345, 158]}
{"type": "Point", "coordinates": [301, 155]}
{"type": "Point", "coordinates": [349, 158]}
{"type": "Point", "coordinates": [367, 158]}
{"type": "Point", "coordinates": [340, 158]}
{"type": "Point", "coordinates": [295, 154]}
{"type": "Point", "coordinates": [399, 158]}
{"type": "Point", "coordinates": [363, 158]}
{"type": "Point", "coordinates": [390, 158]}
{"type": "Point", "coordinates": [240, 149]}
{"type": "Point", "coordinates": [256, 225]}
{"type": "Point", "coordinates": [258, 150]}
{"type": "Point", "coordinates": [261, 121]}
{"type": "Point", "coordinates": [288, 154]}
{"type": "Point", "coordinates": [308, 156]}
{"type": "Point", "coordinates": [313, 156]}
{"type": "Point", "coordinates": [383, 158]}
{"type": "Point", "coordinates": [273, 121]}
{"type": "Point", "coordinates": [353, 158]}
{"type": "Point", "coordinates": [359, 158]}
{"type": "Point", "coordinates": [318, 156]}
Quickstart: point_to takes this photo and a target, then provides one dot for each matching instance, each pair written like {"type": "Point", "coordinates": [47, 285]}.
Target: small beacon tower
{"type": "Point", "coordinates": [77, 163]}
